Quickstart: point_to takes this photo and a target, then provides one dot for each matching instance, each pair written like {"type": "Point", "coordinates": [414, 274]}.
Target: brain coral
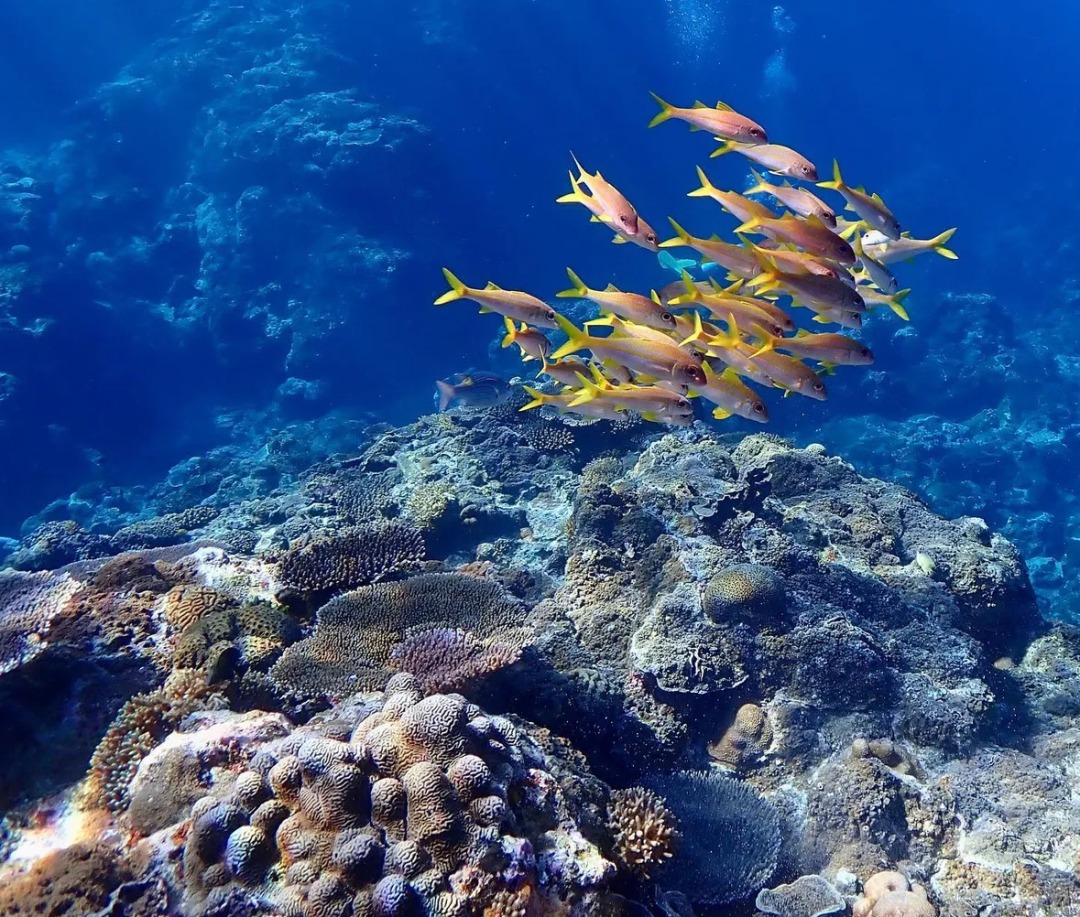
{"type": "Point", "coordinates": [729, 837]}
{"type": "Point", "coordinates": [347, 559]}
{"type": "Point", "coordinates": [252, 635]}
{"type": "Point", "coordinates": [746, 740]}
{"type": "Point", "coordinates": [356, 633]}
{"type": "Point", "coordinates": [412, 812]}
{"type": "Point", "coordinates": [742, 592]}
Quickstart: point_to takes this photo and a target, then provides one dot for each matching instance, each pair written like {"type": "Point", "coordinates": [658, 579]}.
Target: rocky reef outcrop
{"type": "Point", "coordinates": [587, 656]}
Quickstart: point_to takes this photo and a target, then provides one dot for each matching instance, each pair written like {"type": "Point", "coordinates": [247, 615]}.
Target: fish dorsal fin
{"type": "Point", "coordinates": [861, 189]}
{"type": "Point", "coordinates": [611, 288]}
{"type": "Point", "coordinates": [655, 297]}
{"type": "Point", "coordinates": [730, 375]}
{"type": "Point", "coordinates": [699, 104]}
{"type": "Point", "coordinates": [876, 198]}
{"type": "Point", "coordinates": [815, 221]}
{"type": "Point", "coordinates": [723, 106]}
{"type": "Point", "coordinates": [491, 285]}
{"type": "Point", "coordinates": [802, 333]}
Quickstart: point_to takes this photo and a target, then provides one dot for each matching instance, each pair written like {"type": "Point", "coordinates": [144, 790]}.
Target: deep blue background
{"type": "Point", "coordinates": [958, 114]}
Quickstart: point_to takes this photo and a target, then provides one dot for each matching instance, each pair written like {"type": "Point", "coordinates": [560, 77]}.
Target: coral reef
{"type": "Point", "coordinates": [807, 896]}
{"type": "Point", "coordinates": [645, 830]}
{"type": "Point", "coordinates": [351, 558]}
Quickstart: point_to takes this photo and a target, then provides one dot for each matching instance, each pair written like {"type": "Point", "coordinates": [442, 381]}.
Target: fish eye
{"type": "Point", "coordinates": [819, 386]}
{"type": "Point", "coordinates": [667, 318]}
{"type": "Point", "coordinates": [651, 237]}
{"type": "Point", "coordinates": [755, 132]}
{"type": "Point", "coordinates": [759, 408]}
{"type": "Point", "coordinates": [550, 315]}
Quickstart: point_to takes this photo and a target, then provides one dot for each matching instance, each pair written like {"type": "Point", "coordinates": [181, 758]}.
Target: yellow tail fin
{"type": "Point", "coordinates": [725, 147]}
{"type": "Point", "coordinates": [837, 184]}
{"type": "Point", "coordinates": [576, 339]}
{"type": "Point", "coordinates": [683, 237]}
{"type": "Point", "coordinates": [538, 398]}
{"type": "Point", "coordinates": [458, 290]}
{"type": "Point", "coordinates": [511, 332]}
{"type": "Point", "coordinates": [578, 290]}
{"type": "Point", "coordinates": [666, 111]}
{"type": "Point", "coordinates": [707, 187]}
{"type": "Point", "coordinates": [938, 244]}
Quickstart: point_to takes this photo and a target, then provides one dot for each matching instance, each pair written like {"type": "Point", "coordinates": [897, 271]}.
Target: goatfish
{"type": "Point", "coordinates": [812, 290]}
{"type": "Point", "coordinates": [562, 400]}
{"type": "Point", "coordinates": [742, 208]}
{"type": "Point", "coordinates": [779, 160]}
{"type": "Point", "coordinates": [787, 373]}
{"type": "Point", "coordinates": [799, 200]}
{"type": "Point", "coordinates": [875, 298]}
{"type": "Point", "coordinates": [722, 121]}
{"type": "Point", "coordinates": [828, 348]}
{"type": "Point", "coordinates": [809, 234]}
{"type": "Point", "coordinates": [653, 402]}
{"type": "Point", "coordinates": [645, 237]}
{"type": "Point", "coordinates": [731, 395]}
{"type": "Point", "coordinates": [885, 250]}
{"type": "Point", "coordinates": [532, 343]}
{"type": "Point", "coordinates": [733, 257]}
{"type": "Point", "coordinates": [471, 390]}
{"type": "Point", "coordinates": [665, 360]}
{"type": "Point", "coordinates": [732, 351]}
{"type": "Point", "coordinates": [870, 207]}
{"type": "Point", "coordinates": [564, 371]}
{"type": "Point", "coordinates": [632, 306]}
{"type": "Point", "coordinates": [799, 262]}
{"type": "Point", "coordinates": [874, 271]}
{"type": "Point", "coordinates": [747, 312]}
{"type": "Point", "coordinates": [615, 208]}
{"type": "Point", "coordinates": [523, 307]}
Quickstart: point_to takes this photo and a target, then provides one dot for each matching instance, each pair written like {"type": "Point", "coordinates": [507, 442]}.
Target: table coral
{"type": "Point", "coordinates": [356, 633]}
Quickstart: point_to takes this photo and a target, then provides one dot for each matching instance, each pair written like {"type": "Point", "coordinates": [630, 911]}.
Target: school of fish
{"type": "Point", "coordinates": [723, 339]}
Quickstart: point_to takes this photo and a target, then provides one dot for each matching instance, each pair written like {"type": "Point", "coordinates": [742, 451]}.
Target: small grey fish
{"type": "Point", "coordinates": [471, 390]}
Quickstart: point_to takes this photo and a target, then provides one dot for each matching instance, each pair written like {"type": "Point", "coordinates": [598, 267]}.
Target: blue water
{"type": "Point", "coordinates": [134, 322]}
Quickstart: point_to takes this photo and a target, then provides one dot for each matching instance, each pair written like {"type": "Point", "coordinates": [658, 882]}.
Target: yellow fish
{"type": "Point", "coordinates": [742, 208]}
{"type": "Point", "coordinates": [886, 251]}
{"type": "Point", "coordinates": [533, 344]}
{"type": "Point", "coordinates": [870, 208]}
{"type": "Point", "coordinates": [780, 160]}
{"type": "Point", "coordinates": [733, 257]}
{"type": "Point", "coordinates": [829, 348]}
{"type": "Point", "coordinates": [524, 307]}
{"type": "Point", "coordinates": [799, 200]}
{"type": "Point", "coordinates": [632, 306]}
{"type": "Point", "coordinates": [722, 121]}
{"type": "Point", "coordinates": [731, 395]}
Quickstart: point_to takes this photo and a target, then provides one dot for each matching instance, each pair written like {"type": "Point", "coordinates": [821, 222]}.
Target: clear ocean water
{"type": "Point", "coordinates": [228, 499]}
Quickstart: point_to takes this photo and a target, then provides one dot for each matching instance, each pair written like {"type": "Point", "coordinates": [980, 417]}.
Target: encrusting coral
{"type": "Point", "coordinates": [355, 557]}
{"type": "Point", "coordinates": [225, 639]}
{"type": "Point", "coordinates": [356, 633]}
{"type": "Point", "coordinates": [890, 894]}
{"type": "Point", "coordinates": [807, 896]}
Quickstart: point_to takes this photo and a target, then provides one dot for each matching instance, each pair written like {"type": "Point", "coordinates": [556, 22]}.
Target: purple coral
{"type": "Point", "coordinates": [448, 659]}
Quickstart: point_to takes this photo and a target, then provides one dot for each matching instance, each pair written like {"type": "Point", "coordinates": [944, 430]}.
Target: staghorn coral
{"type": "Point", "coordinates": [355, 557]}
{"type": "Point", "coordinates": [645, 830]}
{"type": "Point", "coordinates": [449, 659]}
{"type": "Point", "coordinates": [386, 819]}
{"type": "Point", "coordinates": [746, 740]}
{"type": "Point", "coordinates": [729, 837]}
{"type": "Point", "coordinates": [251, 636]}
{"type": "Point", "coordinates": [356, 633]}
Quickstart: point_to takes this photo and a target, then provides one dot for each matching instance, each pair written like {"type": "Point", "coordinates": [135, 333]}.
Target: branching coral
{"type": "Point", "coordinates": [645, 830]}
